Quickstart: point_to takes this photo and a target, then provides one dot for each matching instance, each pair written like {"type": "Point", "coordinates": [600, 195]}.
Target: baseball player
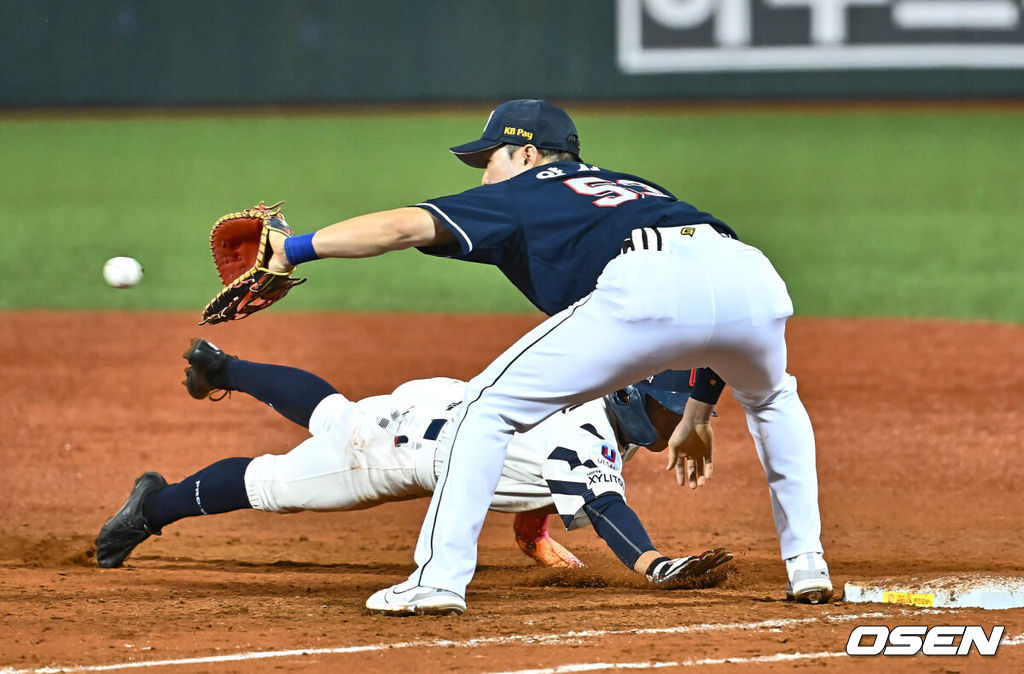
{"type": "Point", "coordinates": [634, 282]}
{"type": "Point", "coordinates": [385, 448]}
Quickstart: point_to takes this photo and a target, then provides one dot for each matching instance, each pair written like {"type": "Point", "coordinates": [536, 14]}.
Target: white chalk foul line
{"type": "Point", "coordinates": [756, 659]}
{"type": "Point", "coordinates": [565, 637]}
{"type": "Point", "coordinates": [598, 666]}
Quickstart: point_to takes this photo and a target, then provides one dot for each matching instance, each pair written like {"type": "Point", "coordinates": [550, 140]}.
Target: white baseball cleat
{"type": "Point", "coordinates": [406, 599]}
{"type": "Point", "coordinates": [809, 581]}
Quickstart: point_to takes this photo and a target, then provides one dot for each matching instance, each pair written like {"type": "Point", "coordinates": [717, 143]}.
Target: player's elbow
{"type": "Point", "coordinates": [410, 227]}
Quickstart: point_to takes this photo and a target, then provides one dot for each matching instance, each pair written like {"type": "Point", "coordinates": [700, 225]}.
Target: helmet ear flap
{"type": "Point", "coordinates": [628, 407]}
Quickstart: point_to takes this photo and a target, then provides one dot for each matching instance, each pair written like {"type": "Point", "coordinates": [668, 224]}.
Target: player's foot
{"type": "Point", "coordinates": [668, 571]}
{"type": "Point", "coordinates": [809, 581]}
{"type": "Point", "coordinates": [127, 528]}
{"type": "Point", "coordinates": [406, 599]}
{"type": "Point", "coordinates": [205, 372]}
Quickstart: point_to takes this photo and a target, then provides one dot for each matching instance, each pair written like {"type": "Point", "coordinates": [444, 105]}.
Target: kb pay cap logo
{"type": "Point", "coordinates": [516, 131]}
{"type": "Point", "coordinates": [914, 639]}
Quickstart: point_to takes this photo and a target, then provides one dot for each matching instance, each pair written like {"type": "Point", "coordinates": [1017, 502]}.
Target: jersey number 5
{"type": "Point", "coordinates": [612, 193]}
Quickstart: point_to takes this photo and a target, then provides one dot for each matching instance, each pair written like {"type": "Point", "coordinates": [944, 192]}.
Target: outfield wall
{"type": "Point", "coordinates": [190, 52]}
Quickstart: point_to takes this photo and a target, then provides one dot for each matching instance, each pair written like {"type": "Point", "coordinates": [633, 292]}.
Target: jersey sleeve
{"type": "Point", "coordinates": [579, 475]}
{"type": "Point", "coordinates": [483, 220]}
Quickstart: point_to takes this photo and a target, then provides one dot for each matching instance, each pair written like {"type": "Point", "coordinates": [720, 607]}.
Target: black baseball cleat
{"type": "Point", "coordinates": [205, 372]}
{"type": "Point", "coordinates": [128, 527]}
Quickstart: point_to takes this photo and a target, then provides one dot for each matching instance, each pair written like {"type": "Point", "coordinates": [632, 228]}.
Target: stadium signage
{"type": "Point", "coordinates": [688, 36]}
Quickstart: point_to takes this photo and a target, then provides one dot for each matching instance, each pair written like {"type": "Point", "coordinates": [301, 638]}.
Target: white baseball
{"type": "Point", "coordinates": [122, 272]}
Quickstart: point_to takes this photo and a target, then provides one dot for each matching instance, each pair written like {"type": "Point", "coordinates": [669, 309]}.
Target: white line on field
{"type": "Point", "coordinates": [756, 659]}
{"type": "Point", "coordinates": [566, 637]}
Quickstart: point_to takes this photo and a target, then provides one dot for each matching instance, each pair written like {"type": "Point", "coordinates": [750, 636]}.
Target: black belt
{"type": "Point", "coordinates": [434, 429]}
{"type": "Point", "coordinates": [652, 238]}
{"type": "Point", "coordinates": [646, 238]}
{"type": "Point", "coordinates": [432, 432]}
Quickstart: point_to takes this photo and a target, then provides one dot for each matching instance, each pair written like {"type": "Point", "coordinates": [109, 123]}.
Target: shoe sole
{"type": "Point", "coordinates": [106, 562]}
{"type": "Point", "coordinates": [813, 594]}
{"type": "Point", "coordinates": [410, 611]}
{"type": "Point", "coordinates": [438, 604]}
{"type": "Point", "coordinates": [439, 610]}
{"type": "Point", "coordinates": [191, 375]}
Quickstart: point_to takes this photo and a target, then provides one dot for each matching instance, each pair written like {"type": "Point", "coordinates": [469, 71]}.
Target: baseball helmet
{"type": "Point", "coordinates": [628, 406]}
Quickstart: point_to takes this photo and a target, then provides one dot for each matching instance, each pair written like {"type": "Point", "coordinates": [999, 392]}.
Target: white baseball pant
{"type": "Point", "coordinates": [349, 463]}
{"type": "Point", "coordinates": [352, 463]}
{"type": "Point", "coordinates": [702, 300]}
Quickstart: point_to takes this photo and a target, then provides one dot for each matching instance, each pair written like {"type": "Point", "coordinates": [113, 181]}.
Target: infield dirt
{"type": "Point", "coordinates": [919, 424]}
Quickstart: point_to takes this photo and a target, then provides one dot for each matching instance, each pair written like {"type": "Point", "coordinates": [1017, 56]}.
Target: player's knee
{"type": "Point", "coordinates": [264, 489]}
{"type": "Point", "coordinates": [760, 400]}
{"type": "Point", "coordinates": [330, 414]}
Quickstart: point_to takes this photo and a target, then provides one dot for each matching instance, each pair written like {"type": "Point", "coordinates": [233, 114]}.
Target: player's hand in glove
{"type": "Point", "coordinates": [667, 572]}
{"type": "Point", "coordinates": [242, 249]}
{"type": "Point", "coordinates": [689, 448]}
{"type": "Point", "coordinates": [278, 260]}
{"type": "Point", "coordinates": [533, 539]}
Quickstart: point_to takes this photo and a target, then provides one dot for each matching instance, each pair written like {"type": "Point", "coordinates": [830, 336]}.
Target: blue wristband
{"type": "Point", "coordinates": [299, 249]}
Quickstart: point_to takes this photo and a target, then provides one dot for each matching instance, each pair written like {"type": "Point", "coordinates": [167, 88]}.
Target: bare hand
{"type": "Point", "coordinates": [279, 262]}
{"type": "Point", "coordinates": [689, 448]}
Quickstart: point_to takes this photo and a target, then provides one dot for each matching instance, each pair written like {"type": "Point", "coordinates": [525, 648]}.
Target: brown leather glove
{"type": "Point", "coordinates": [241, 250]}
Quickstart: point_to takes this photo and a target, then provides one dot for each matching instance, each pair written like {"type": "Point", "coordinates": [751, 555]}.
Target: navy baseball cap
{"type": "Point", "coordinates": [526, 121]}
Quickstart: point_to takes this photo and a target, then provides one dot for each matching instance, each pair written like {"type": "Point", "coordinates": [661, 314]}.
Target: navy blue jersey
{"type": "Point", "coordinates": [552, 229]}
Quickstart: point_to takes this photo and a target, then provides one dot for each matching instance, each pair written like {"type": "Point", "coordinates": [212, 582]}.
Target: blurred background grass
{"type": "Point", "coordinates": [872, 212]}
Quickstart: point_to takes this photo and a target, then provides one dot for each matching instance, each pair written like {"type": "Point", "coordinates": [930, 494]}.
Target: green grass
{"type": "Point", "coordinates": [877, 213]}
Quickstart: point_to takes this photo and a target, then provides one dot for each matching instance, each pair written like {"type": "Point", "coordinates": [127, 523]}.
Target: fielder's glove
{"type": "Point", "coordinates": [240, 243]}
{"type": "Point", "coordinates": [667, 572]}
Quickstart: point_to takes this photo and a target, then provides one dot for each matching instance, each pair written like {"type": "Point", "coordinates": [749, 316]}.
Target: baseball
{"type": "Point", "coordinates": [122, 272]}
